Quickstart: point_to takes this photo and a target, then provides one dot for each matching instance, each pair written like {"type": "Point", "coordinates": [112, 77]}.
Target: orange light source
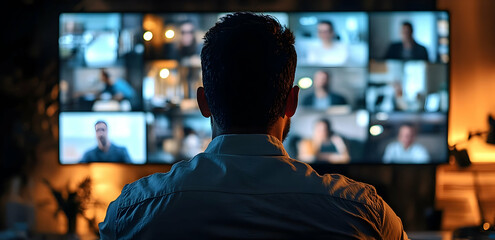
{"type": "Point", "coordinates": [486, 226]}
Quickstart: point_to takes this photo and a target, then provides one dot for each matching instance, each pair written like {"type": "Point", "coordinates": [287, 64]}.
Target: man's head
{"type": "Point", "coordinates": [322, 80]}
{"type": "Point", "coordinates": [325, 31]}
{"type": "Point", "coordinates": [248, 62]}
{"type": "Point", "coordinates": [407, 31]}
{"type": "Point", "coordinates": [407, 135]}
{"type": "Point", "coordinates": [101, 129]}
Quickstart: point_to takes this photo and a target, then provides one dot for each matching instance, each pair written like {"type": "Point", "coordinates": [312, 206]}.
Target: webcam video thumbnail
{"type": "Point", "coordinates": [100, 61]}
{"type": "Point", "coordinates": [87, 137]}
{"type": "Point", "coordinates": [407, 138]}
{"type": "Point", "coordinates": [331, 39]}
{"type": "Point", "coordinates": [410, 36]}
{"type": "Point", "coordinates": [172, 138]}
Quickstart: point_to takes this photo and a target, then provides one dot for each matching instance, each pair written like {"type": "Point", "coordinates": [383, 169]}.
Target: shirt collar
{"type": "Point", "coordinates": [247, 144]}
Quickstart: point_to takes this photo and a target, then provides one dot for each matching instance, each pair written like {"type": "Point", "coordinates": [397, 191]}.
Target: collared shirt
{"type": "Point", "coordinates": [396, 153]}
{"type": "Point", "coordinates": [246, 186]}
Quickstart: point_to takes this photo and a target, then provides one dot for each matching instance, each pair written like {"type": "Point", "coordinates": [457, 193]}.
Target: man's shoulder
{"type": "Point", "coordinates": [189, 176]}
{"type": "Point", "coordinates": [347, 189]}
{"type": "Point", "coordinates": [152, 186]}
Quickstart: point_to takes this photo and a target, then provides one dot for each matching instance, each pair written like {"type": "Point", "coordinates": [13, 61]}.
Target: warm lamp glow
{"type": "Point", "coordinates": [164, 73]}
{"type": "Point", "coordinates": [169, 34]}
{"type": "Point", "coordinates": [486, 226]}
{"type": "Point", "coordinates": [147, 36]}
{"type": "Point", "coordinates": [305, 82]}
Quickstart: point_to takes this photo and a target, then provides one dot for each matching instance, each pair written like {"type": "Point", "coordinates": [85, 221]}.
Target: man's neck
{"type": "Point", "coordinates": [276, 130]}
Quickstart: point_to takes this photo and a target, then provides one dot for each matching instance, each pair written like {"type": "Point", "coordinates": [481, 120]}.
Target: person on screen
{"type": "Point", "coordinates": [322, 97]}
{"type": "Point", "coordinates": [408, 48]}
{"type": "Point", "coordinates": [117, 89]}
{"type": "Point", "coordinates": [186, 50]}
{"type": "Point", "coordinates": [105, 151]}
{"type": "Point", "coordinates": [329, 50]}
{"type": "Point", "coordinates": [326, 146]}
{"type": "Point", "coordinates": [245, 185]}
{"type": "Point", "coordinates": [405, 149]}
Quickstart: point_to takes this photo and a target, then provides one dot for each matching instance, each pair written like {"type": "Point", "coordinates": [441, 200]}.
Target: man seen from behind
{"type": "Point", "coordinates": [244, 185]}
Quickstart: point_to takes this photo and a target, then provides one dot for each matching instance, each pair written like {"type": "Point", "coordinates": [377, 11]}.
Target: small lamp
{"type": "Point", "coordinates": [485, 231]}
{"type": "Point", "coordinates": [461, 156]}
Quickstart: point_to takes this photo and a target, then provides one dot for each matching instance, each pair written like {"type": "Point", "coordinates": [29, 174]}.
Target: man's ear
{"type": "Point", "coordinates": [202, 103]}
{"type": "Point", "coordinates": [291, 104]}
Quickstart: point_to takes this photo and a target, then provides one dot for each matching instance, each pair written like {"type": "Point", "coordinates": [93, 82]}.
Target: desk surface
{"type": "Point", "coordinates": [429, 235]}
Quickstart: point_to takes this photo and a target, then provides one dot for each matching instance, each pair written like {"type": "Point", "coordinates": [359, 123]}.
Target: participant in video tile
{"type": "Point", "coordinates": [330, 51]}
{"type": "Point", "coordinates": [405, 149]}
{"type": "Point", "coordinates": [187, 49]}
{"type": "Point", "coordinates": [325, 146]}
{"type": "Point", "coordinates": [408, 48]}
{"type": "Point", "coordinates": [117, 89]}
{"type": "Point", "coordinates": [105, 151]}
{"type": "Point", "coordinates": [322, 98]}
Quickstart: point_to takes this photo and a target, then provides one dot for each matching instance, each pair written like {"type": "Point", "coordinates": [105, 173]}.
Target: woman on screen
{"type": "Point", "coordinates": [325, 146]}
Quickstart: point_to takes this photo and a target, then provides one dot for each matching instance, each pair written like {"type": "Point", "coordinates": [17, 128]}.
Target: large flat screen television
{"type": "Point", "coordinates": [374, 87]}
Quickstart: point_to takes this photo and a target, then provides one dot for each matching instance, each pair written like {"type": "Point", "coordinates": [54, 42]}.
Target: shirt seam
{"type": "Point", "coordinates": [258, 194]}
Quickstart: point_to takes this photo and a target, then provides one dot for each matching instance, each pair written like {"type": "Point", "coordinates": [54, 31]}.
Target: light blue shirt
{"type": "Point", "coordinates": [246, 186]}
{"type": "Point", "coordinates": [396, 153]}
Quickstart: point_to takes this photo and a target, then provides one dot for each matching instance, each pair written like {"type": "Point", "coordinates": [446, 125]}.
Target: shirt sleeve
{"type": "Point", "coordinates": [391, 224]}
{"type": "Point", "coordinates": [108, 228]}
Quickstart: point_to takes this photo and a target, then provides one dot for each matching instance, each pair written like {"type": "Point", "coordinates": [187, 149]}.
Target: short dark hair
{"type": "Point", "coordinates": [248, 64]}
{"type": "Point", "coordinates": [101, 121]}
{"type": "Point", "coordinates": [408, 24]}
